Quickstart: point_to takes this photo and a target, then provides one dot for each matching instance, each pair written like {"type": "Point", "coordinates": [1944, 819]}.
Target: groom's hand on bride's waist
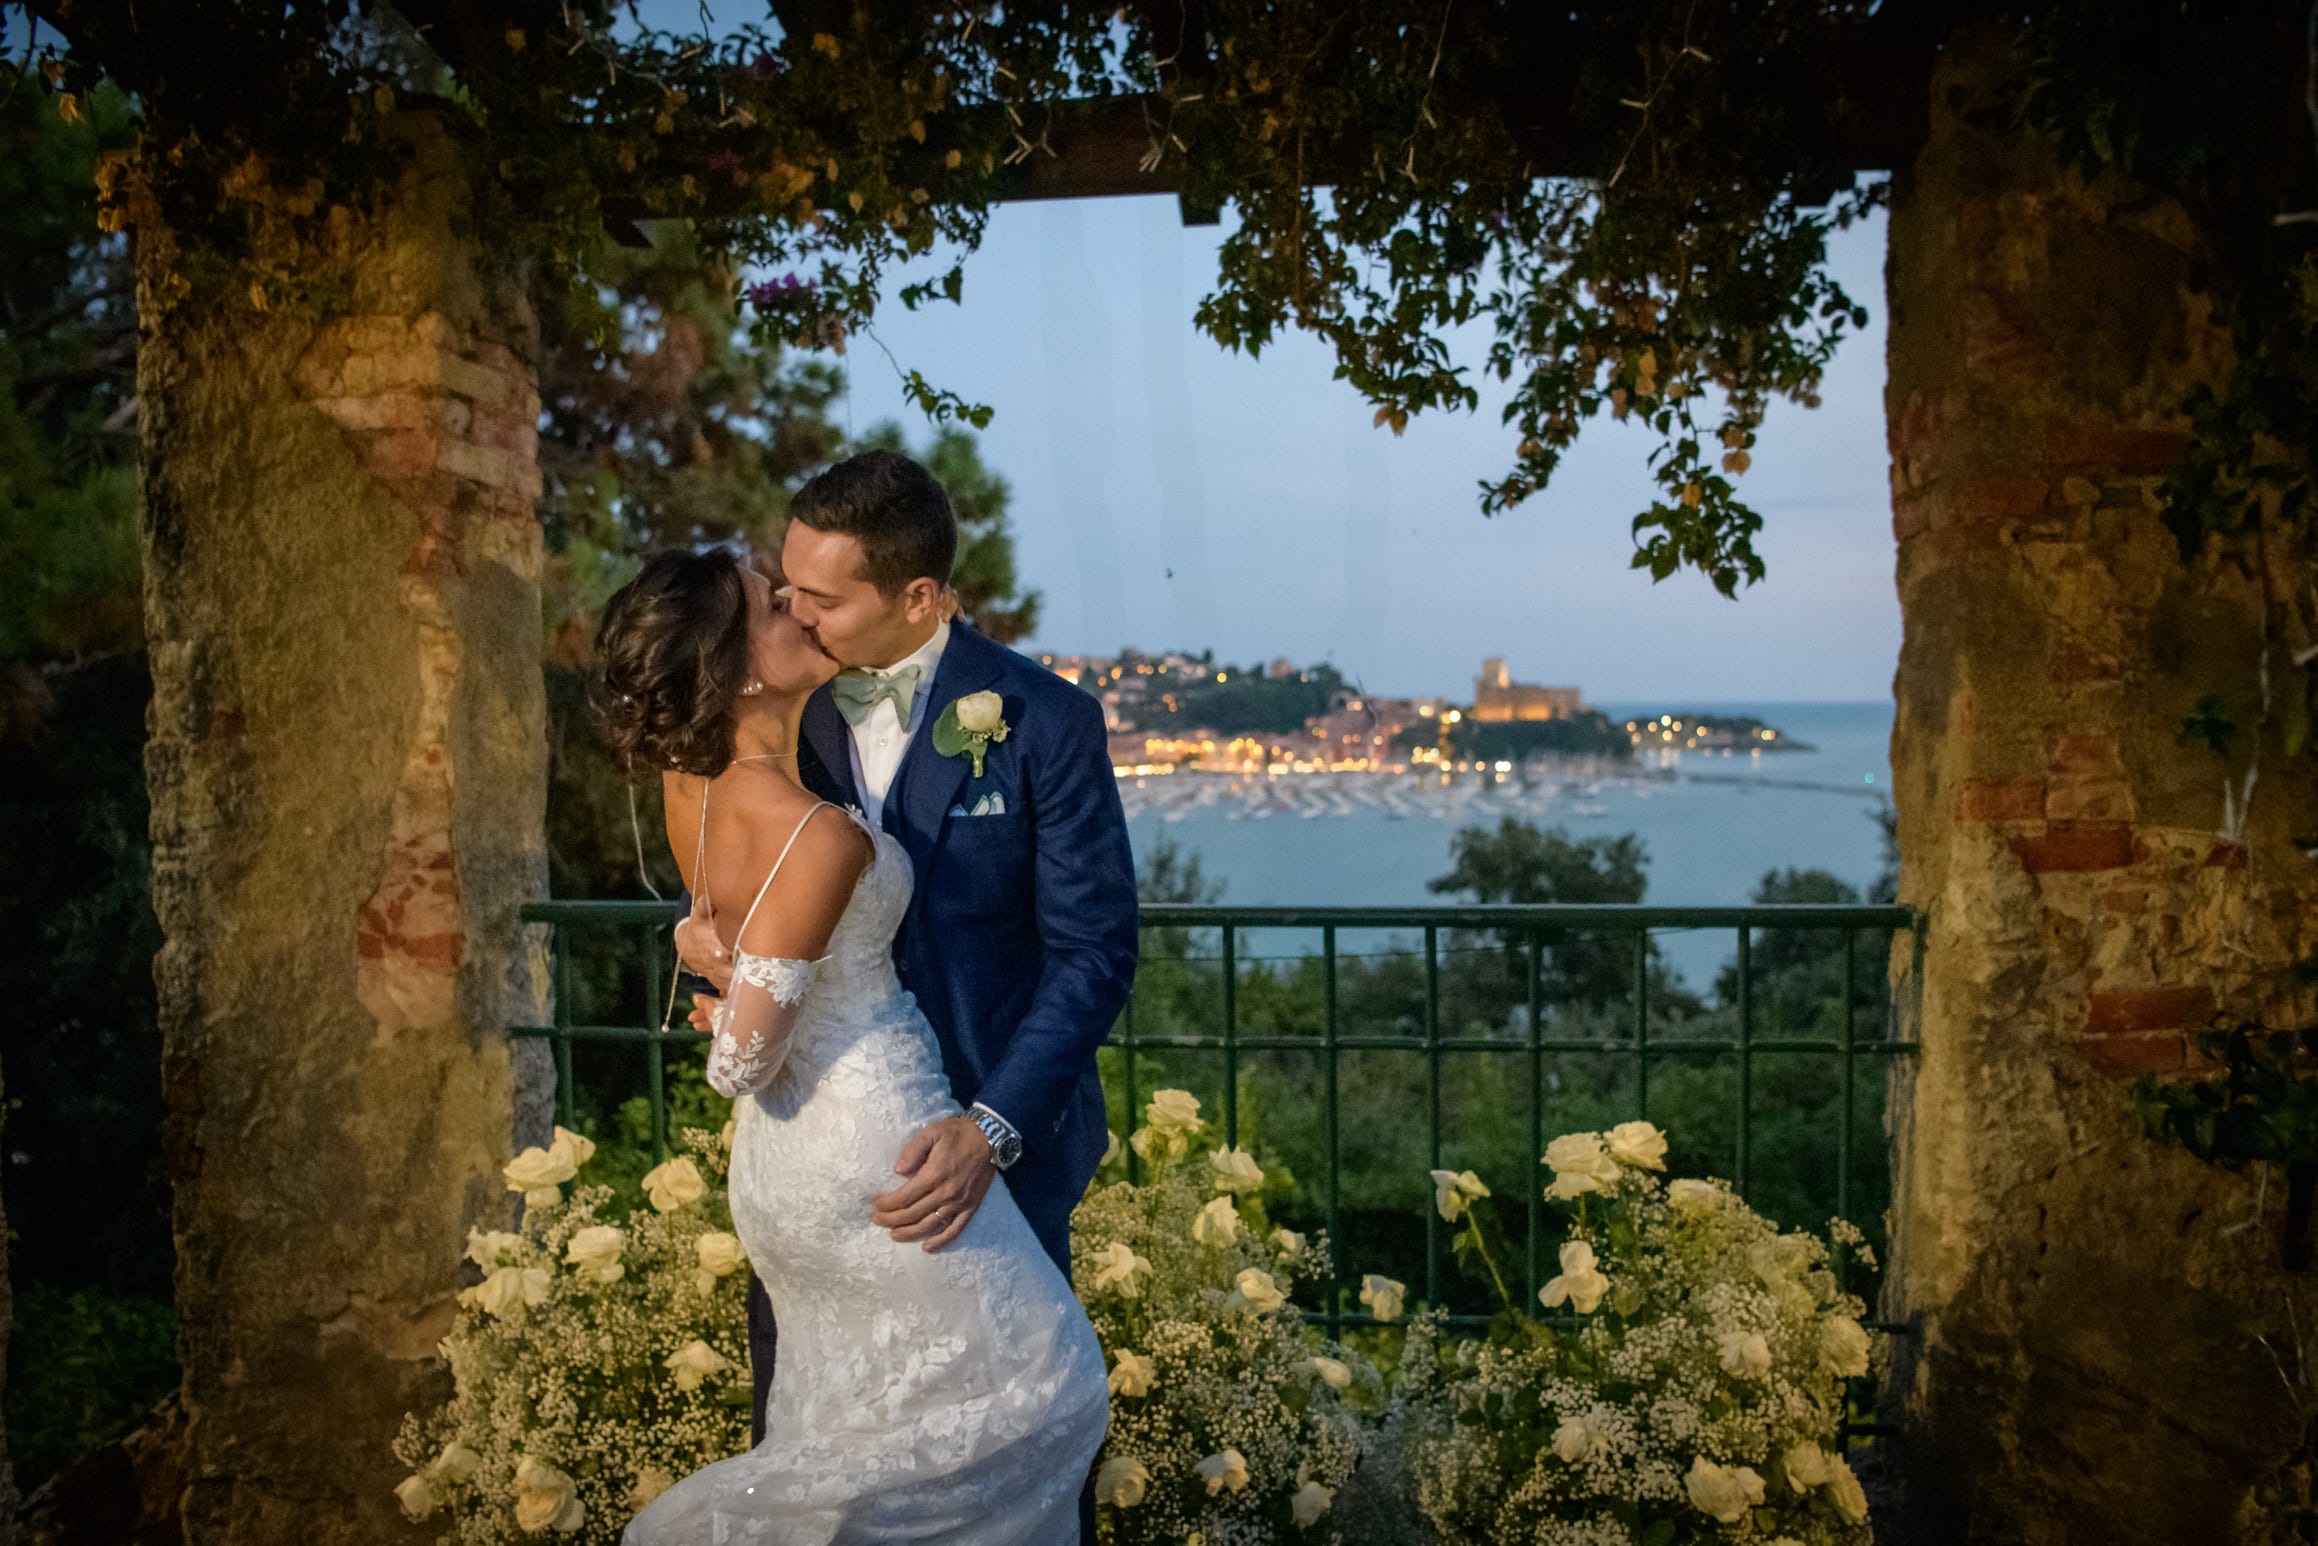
{"type": "Point", "coordinates": [947, 1169]}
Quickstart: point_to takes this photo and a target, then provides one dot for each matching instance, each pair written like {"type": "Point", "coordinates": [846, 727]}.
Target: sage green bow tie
{"type": "Point", "coordinates": [858, 691]}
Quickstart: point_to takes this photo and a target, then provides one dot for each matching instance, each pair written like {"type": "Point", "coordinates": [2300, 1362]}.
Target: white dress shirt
{"type": "Point", "coordinates": [882, 737]}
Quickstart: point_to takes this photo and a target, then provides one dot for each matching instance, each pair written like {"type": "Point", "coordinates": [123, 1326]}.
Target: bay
{"type": "Point", "coordinates": [1711, 824]}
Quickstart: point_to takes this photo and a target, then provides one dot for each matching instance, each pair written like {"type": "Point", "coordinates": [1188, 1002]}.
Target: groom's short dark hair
{"type": "Point", "coordinates": [894, 508]}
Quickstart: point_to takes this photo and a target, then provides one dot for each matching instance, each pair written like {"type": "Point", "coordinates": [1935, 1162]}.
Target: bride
{"type": "Point", "coordinates": [954, 1396]}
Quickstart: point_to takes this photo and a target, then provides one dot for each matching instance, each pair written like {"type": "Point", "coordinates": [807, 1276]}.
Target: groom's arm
{"type": "Point", "coordinates": [1086, 914]}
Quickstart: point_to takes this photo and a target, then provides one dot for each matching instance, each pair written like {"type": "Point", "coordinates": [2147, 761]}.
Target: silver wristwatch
{"type": "Point", "coordinates": [1005, 1142]}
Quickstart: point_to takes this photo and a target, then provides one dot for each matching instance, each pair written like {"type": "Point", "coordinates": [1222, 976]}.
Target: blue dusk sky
{"type": "Point", "coordinates": [1168, 493]}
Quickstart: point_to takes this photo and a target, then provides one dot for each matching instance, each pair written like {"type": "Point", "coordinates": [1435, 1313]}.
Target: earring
{"type": "Point", "coordinates": [752, 689]}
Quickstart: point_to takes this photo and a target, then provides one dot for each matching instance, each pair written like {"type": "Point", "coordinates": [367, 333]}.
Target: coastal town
{"type": "Point", "coordinates": [1300, 740]}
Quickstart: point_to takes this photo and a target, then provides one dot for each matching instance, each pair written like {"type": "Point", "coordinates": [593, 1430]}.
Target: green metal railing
{"type": "Point", "coordinates": [1536, 928]}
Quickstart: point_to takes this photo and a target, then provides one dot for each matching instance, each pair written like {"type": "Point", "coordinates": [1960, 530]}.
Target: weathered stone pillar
{"type": "Point", "coordinates": [347, 763]}
{"type": "Point", "coordinates": [2090, 1307]}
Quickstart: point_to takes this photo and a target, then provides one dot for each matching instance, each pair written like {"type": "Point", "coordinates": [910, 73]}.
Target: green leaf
{"type": "Point", "coordinates": [949, 735]}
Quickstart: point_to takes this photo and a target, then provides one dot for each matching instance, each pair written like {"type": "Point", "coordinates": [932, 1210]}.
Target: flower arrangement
{"type": "Point", "coordinates": [598, 1360]}
{"type": "Point", "coordinates": [1232, 1422]}
{"type": "Point", "coordinates": [1688, 1386]}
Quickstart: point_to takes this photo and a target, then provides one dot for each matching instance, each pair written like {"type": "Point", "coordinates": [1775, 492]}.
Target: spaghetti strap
{"type": "Point", "coordinates": [700, 853]}
{"type": "Point", "coordinates": [818, 807]}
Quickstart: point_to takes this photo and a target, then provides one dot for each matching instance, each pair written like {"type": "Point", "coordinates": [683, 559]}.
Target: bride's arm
{"type": "Point", "coordinates": [778, 953]}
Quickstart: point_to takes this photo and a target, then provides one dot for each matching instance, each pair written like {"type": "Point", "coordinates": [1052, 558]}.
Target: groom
{"type": "Point", "coordinates": [1020, 942]}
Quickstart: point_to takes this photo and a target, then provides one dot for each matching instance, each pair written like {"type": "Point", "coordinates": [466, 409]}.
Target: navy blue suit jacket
{"type": "Point", "coordinates": [1021, 939]}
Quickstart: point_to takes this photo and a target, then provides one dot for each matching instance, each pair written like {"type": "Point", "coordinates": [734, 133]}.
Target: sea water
{"type": "Point", "coordinates": [1711, 825]}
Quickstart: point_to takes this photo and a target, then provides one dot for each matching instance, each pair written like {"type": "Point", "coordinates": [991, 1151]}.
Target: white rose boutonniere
{"type": "Point", "coordinates": [969, 726]}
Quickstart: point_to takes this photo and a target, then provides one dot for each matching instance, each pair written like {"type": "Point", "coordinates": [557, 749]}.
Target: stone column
{"type": "Point", "coordinates": [347, 764]}
{"type": "Point", "coordinates": [2090, 1364]}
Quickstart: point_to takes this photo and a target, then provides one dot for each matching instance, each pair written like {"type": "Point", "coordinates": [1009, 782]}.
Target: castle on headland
{"type": "Point", "coordinates": [1498, 698]}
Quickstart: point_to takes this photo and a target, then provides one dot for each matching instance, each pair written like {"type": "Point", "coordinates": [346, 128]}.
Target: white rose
{"type": "Point", "coordinates": [981, 713]}
{"type": "Point", "coordinates": [509, 1291]}
{"type": "Point", "coordinates": [596, 1252]}
{"type": "Point", "coordinates": [694, 1362]}
{"type": "Point", "coordinates": [1217, 1223]}
{"type": "Point", "coordinates": [417, 1499]}
{"type": "Point", "coordinates": [1383, 1296]}
{"type": "Point", "coordinates": [1453, 1194]}
{"type": "Point", "coordinates": [1850, 1498]}
{"type": "Point", "coordinates": [650, 1483]}
{"type": "Point", "coordinates": [1228, 1470]}
{"type": "Point", "coordinates": [546, 1499]}
{"type": "Point", "coordinates": [1588, 1436]}
{"type": "Point", "coordinates": [458, 1462]}
{"type": "Point", "coordinates": [1745, 1354]}
{"type": "Point", "coordinates": [673, 1184]}
{"type": "Point", "coordinates": [1133, 1374]}
{"type": "Point", "coordinates": [488, 1248]}
{"type": "Point", "coordinates": [1289, 1242]}
{"type": "Point", "coordinates": [724, 1138]}
{"type": "Point", "coordinates": [1115, 1267]}
{"type": "Point", "coordinates": [1122, 1481]}
{"type": "Point", "coordinates": [1843, 1345]}
{"type": "Point", "coordinates": [1333, 1374]}
{"type": "Point", "coordinates": [1780, 1261]}
{"type": "Point", "coordinates": [718, 1252]}
{"type": "Point", "coordinates": [1580, 1282]}
{"type": "Point", "coordinates": [1696, 1198]}
{"type": "Point", "coordinates": [570, 1146]}
{"type": "Point", "coordinates": [1160, 1145]}
{"type": "Point", "coordinates": [1256, 1291]}
{"type": "Point", "coordinates": [1236, 1171]}
{"type": "Point", "coordinates": [1309, 1503]}
{"type": "Point", "coordinates": [539, 1175]}
{"type": "Point", "coordinates": [1638, 1144]}
{"type": "Point", "coordinates": [1807, 1467]}
{"type": "Point", "coordinates": [1174, 1109]}
{"type": "Point", "coordinates": [1580, 1165]}
{"type": "Point", "coordinates": [1726, 1492]}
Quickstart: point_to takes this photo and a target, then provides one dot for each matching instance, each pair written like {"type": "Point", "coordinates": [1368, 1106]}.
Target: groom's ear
{"type": "Point", "coordinates": [921, 599]}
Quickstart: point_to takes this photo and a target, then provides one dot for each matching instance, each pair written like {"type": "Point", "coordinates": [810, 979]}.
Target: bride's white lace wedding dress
{"type": "Point", "coordinates": [954, 1397]}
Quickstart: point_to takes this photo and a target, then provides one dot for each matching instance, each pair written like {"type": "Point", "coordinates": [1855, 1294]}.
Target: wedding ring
{"type": "Point", "coordinates": [945, 1218]}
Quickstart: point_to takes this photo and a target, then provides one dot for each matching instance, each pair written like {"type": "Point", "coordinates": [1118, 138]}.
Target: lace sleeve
{"type": "Point", "coordinates": [749, 1037]}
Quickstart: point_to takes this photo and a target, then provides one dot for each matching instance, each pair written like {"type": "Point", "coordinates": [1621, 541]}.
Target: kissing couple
{"type": "Point", "coordinates": [912, 891]}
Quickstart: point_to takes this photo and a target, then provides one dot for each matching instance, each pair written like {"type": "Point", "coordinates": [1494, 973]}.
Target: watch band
{"type": "Point", "coordinates": [1005, 1142]}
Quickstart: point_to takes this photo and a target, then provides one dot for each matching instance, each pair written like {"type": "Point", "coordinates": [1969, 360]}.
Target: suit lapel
{"type": "Point", "coordinates": [830, 740]}
{"type": "Point", "coordinates": [926, 783]}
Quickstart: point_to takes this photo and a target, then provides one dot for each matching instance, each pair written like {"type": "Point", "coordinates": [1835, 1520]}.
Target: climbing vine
{"type": "Point", "coordinates": [2229, 128]}
{"type": "Point", "coordinates": [1633, 199]}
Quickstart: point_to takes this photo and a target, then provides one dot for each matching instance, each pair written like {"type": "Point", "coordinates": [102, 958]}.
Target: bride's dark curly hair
{"type": "Point", "coordinates": [674, 646]}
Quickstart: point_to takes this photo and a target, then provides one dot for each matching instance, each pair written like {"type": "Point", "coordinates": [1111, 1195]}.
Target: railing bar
{"type": "Point", "coordinates": [1892, 917]}
{"type": "Point", "coordinates": [1335, 1140]}
{"type": "Point", "coordinates": [1642, 1024]}
{"type": "Point", "coordinates": [1230, 1038]}
{"type": "Point", "coordinates": [606, 1033]}
{"type": "Point", "coordinates": [1657, 1049]}
{"type": "Point", "coordinates": [1433, 1105]}
{"type": "Point", "coordinates": [566, 1081]}
{"type": "Point", "coordinates": [1846, 1124]}
{"type": "Point", "coordinates": [655, 1074]}
{"type": "Point", "coordinates": [1536, 1108]}
{"type": "Point", "coordinates": [1127, 1047]}
{"type": "Point", "coordinates": [1746, 1059]}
